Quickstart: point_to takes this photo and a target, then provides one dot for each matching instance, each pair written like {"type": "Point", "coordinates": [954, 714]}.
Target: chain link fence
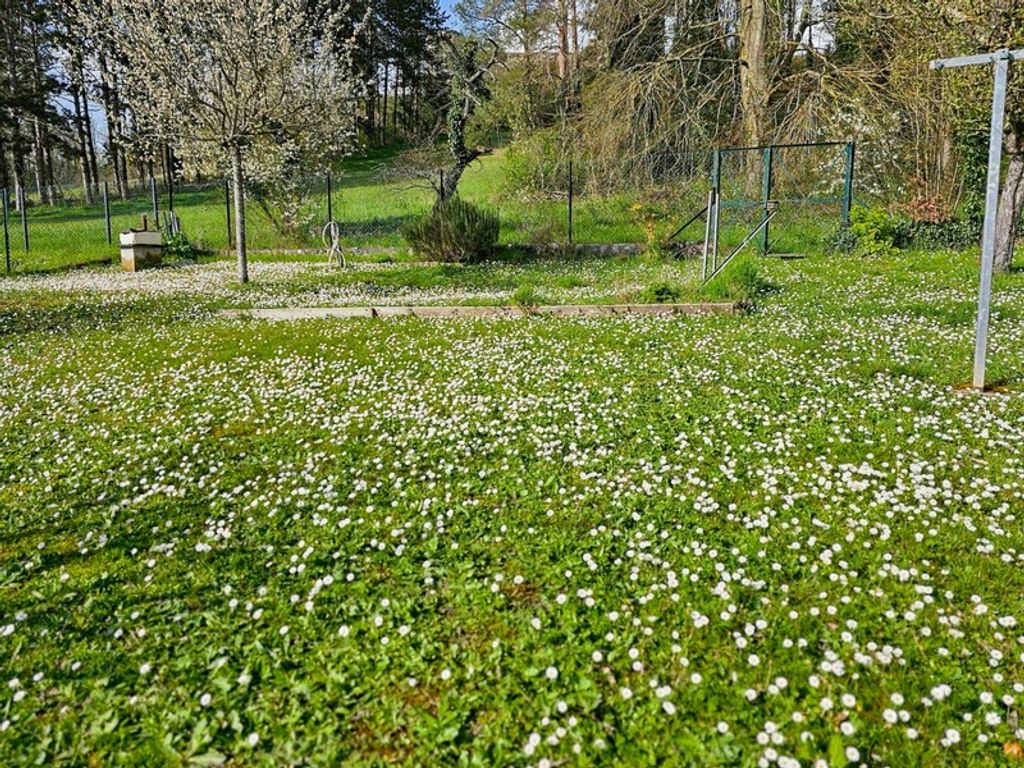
{"type": "Point", "coordinates": [808, 187]}
{"type": "Point", "coordinates": [372, 201]}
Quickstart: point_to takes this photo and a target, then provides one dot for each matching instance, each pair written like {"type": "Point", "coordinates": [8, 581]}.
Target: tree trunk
{"type": "Point", "coordinates": [55, 193]}
{"type": "Point", "coordinates": [384, 111]}
{"type": "Point", "coordinates": [371, 97]}
{"type": "Point", "coordinates": [110, 112]}
{"type": "Point", "coordinates": [563, 52]}
{"type": "Point", "coordinates": [38, 130]}
{"type": "Point", "coordinates": [5, 170]}
{"type": "Point", "coordinates": [753, 70]}
{"type": "Point", "coordinates": [87, 125]}
{"type": "Point", "coordinates": [19, 177]}
{"type": "Point", "coordinates": [239, 193]}
{"type": "Point", "coordinates": [37, 160]}
{"type": "Point", "coordinates": [1011, 201]}
{"type": "Point", "coordinates": [415, 119]}
{"type": "Point", "coordinates": [83, 154]}
{"type": "Point", "coordinates": [394, 101]}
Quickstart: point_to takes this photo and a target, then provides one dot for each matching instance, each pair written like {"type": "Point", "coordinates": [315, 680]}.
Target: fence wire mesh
{"type": "Point", "coordinates": [808, 186]}
{"type": "Point", "coordinates": [373, 201]}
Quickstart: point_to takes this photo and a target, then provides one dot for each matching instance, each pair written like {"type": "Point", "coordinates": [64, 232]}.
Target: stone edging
{"type": "Point", "coordinates": [554, 310]}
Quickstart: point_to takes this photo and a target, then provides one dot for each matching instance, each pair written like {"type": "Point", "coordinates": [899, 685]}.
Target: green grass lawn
{"type": "Point", "coordinates": [734, 541]}
{"type": "Point", "coordinates": [297, 281]}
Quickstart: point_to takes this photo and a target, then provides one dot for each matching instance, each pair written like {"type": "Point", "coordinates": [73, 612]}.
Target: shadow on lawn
{"type": "Point", "coordinates": [384, 225]}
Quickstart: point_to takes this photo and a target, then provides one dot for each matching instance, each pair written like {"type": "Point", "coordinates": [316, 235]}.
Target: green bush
{"type": "Point", "coordinates": [955, 234]}
{"type": "Point", "coordinates": [537, 164]}
{"type": "Point", "coordinates": [661, 293]}
{"type": "Point", "coordinates": [180, 247]}
{"type": "Point", "coordinates": [878, 232]}
{"type": "Point", "coordinates": [843, 240]}
{"type": "Point", "coordinates": [454, 231]}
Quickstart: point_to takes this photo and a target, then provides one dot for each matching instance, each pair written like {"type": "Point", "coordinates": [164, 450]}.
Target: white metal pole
{"type": "Point", "coordinates": [707, 234]}
{"type": "Point", "coordinates": [1001, 59]}
{"type": "Point", "coordinates": [988, 241]}
{"type": "Point", "coordinates": [714, 233]}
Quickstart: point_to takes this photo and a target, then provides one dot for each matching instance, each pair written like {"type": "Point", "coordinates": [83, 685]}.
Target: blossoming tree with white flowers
{"type": "Point", "coordinates": [254, 84]}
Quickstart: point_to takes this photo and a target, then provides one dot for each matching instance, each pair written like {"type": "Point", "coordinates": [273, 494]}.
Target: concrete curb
{"type": "Point", "coordinates": [553, 310]}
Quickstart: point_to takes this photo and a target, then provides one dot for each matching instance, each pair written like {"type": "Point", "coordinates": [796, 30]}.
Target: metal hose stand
{"type": "Point", "coordinates": [331, 236]}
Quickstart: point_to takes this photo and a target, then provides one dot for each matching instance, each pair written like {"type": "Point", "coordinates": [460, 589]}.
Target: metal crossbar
{"type": "Point", "coordinates": [683, 228]}
{"type": "Point", "coordinates": [800, 145]}
{"type": "Point", "coordinates": [981, 58]}
{"type": "Point", "coordinates": [741, 246]}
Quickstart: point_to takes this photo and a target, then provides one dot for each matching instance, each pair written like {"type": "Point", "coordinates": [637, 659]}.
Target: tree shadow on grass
{"type": "Point", "coordinates": [96, 261]}
{"type": "Point", "coordinates": [385, 225]}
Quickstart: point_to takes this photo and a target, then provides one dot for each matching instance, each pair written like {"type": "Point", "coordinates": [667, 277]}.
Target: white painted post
{"type": "Point", "coordinates": [707, 234]}
{"type": "Point", "coordinates": [1001, 61]}
{"type": "Point", "coordinates": [714, 232]}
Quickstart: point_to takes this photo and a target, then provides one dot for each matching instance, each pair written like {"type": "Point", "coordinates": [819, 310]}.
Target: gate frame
{"type": "Point", "coordinates": [766, 202]}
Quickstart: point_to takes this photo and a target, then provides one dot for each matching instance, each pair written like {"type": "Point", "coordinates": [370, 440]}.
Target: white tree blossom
{"type": "Point", "coordinates": [260, 85]}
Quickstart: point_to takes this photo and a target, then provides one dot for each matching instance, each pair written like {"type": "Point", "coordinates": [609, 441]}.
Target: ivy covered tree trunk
{"type": "Point", "coordinates": [466, 90]}
{"type": "Point", "coordinates": [459, 112]}
{"type": "Point", "coordinates": [1011, 200]}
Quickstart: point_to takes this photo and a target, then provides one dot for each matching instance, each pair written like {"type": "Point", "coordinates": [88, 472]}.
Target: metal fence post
{"type": "Point", "coordinates": [851, 149]}
{"type": "Point", "coordinates": [156, 204]}
{"type": "Point", "coordinates": [7, 236]}
{"type": "Point", "coordinates": [24, 218]}
{"type": "Point", "coordinates": [716, 187]}
{"type": "Point", "coordinates": [106, 211]}
{"type": "Point", "coordinates": [988, 245]}
{"type": "Point", "coordinates": [1000, 60]}
{"type": "Point", "coordinates": [330, 203]}
{"type": "Point", "coordinates": [708, 221]}
{"type": "Point", "coordinates": [570, 201]}
{"type": "Point", "coordinates": [769, 158]}
{"type": "Point", "coordinates": [227, 208]}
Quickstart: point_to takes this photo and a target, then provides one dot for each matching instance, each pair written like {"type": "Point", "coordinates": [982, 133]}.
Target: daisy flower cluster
{"type": "Point", "coordinates": [786, 539]}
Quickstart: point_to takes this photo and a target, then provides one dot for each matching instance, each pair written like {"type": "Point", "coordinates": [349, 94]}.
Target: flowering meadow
{"type": "Point", "coordinates": [287, 282]}
{"type": "Point", "coordinates": [787, 538]}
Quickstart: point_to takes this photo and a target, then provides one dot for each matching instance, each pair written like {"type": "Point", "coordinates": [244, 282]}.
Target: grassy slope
{"type": "Point", "coordinates": [194, 506]}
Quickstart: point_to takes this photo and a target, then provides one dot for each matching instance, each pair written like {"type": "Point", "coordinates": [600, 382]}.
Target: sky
{"type": "Point", "coordinates": [447, 6]}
